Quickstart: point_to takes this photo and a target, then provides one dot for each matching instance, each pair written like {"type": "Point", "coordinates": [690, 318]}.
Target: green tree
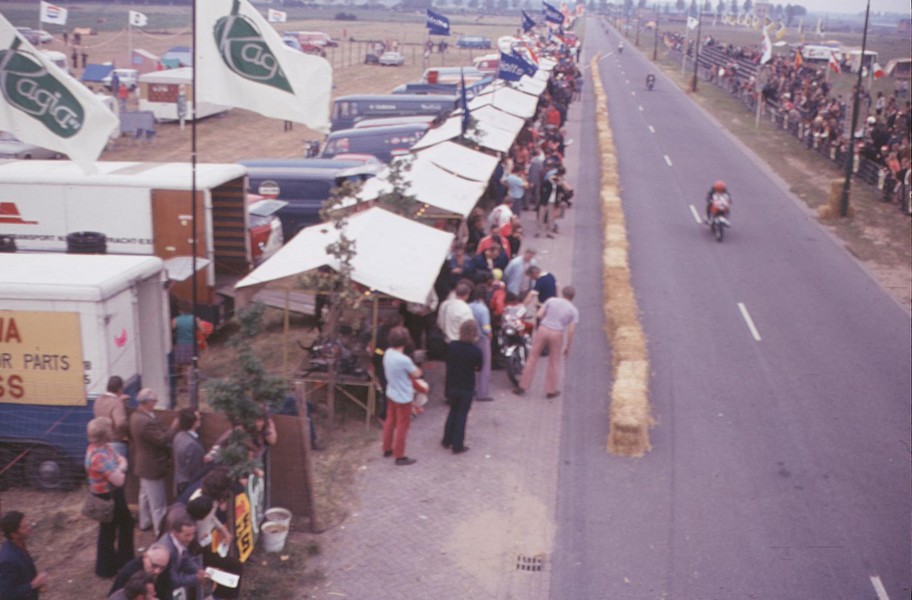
{"type": "Point", "coordinates": [748, 6]}
{"type": "Point", "coordinates": [692, 10]}
{"type": "Point", "coordinates": [680, 5]}
{"type": "Point", "coordinates": [708, 7]}
{"type": "Point", "coordinates": [720, 8]}
{"type": "Point", "coordinates": [734, 7]}
{"type": "Point", "coordinates": [243, 396]}
{"type": "Point", "coordinates": [473, 4]}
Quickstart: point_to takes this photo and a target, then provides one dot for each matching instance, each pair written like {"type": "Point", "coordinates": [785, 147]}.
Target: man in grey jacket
{"type": "Point", "coordinates": [188, 451]}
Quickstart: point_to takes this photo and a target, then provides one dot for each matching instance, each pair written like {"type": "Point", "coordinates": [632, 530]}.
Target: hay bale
{"type": "Point", "coordinates": [630, 420]}
{"type": "Point", "coordinates": [615, 257]}
{"type": "Point", "coordinates": [628, 344]}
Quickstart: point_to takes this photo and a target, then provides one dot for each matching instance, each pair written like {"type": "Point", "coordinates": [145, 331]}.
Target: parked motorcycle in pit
{"type": "Point", "coordinates": [515, 343]}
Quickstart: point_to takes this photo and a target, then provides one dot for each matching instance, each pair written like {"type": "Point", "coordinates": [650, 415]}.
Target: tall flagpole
{"type": "Point", "coordinates": [193, 383]}
{"type": "Point", "coordinates": [693, 84]}
{"type": "Point", "coordinates": [850, 154]}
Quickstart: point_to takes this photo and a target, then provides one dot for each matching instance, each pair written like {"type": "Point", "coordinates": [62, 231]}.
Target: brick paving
{"type": "Point", "coordinates": [476, 526]}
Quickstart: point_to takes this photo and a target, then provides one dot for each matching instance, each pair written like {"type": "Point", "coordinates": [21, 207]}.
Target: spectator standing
{"type": "Point", "coordinates": [516, 189]}
{"type": "Point", "coordinates": [151, 453]}
{"type": "Point", "coordinates": [107, 473]}
{"type": "Point", "coordinates": [516, 275]}
{"type": "Point", "coordinates": [557, 315]}
{"type": "Point", "coordinates": [464, 361]}
{"type": "Point", "coordinates": [112, 404]}
{"type": "Point", "coordinates": [544, 284]}
{"type": "Point", "coordinates": [19, 578]}
{"type": "Point", "coordinates": [184, 326]}
{"type": "Point", "coordinates": [214, 538]}
{"type": "Point", "coordinates": [482, 316]}
{"type": "Point", "coordinates": [140, 586]}
{"type": "Point", "coordinates": [400, 371]}
{"type": "Point", "coordinates": [123, 94]}
{"type": "Point", "coordinates": [454, 310]}
{"type": "Point", "coordinates": [188, 452]}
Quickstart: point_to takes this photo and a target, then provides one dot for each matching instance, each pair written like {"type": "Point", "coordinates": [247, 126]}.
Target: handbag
{"type": "Point", "coordinates": [98, 509]}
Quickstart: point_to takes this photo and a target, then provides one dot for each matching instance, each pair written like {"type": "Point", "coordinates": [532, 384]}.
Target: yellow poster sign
{"type": "Point", "coordinates": [243, 526]}
{"type": "Point", "coordinates": [41, 358]}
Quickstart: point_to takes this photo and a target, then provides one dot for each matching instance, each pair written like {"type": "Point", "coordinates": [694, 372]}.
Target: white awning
{"type": "Point", "coordinates": [394, 255]}
{"type": "Point", "coordinates": [508, 100]}
{"type": "Point", "coordinates": [493, 138]}
{"type": "Point", "coordinates": [460, 160]}
{"type": "Point", "coordinates": [180, 268]}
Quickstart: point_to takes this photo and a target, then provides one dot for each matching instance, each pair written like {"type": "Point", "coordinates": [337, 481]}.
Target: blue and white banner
{"type": "Point", "coordinates": [513, 67]}
{"type": "Point", "coordinates": [552, 14]}
{"type": "Point", "coordinates": [527, 22]}
{"type": "Point", "coordinates": [437, 24]}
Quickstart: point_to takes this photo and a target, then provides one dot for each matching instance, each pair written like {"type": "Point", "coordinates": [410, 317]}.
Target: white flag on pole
{"type": "Point", "coordinates": [138, 19]}
{"type": "Point", "coordinates": [692, 22]}
{"type": "Point", "coordinates": [241, 61]}
{"type": "Point", "coordinates": [42, 105]}
{"type": "Point", "coordinates": [276, 16]}
{"type": "Point", "coordinates": [767, 46]}
{"type": "Point", "coordinates": [51, 13]}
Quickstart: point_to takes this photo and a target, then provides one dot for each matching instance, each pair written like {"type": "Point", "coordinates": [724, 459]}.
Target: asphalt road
{"type": "Point", "coordinates": [780, 382]}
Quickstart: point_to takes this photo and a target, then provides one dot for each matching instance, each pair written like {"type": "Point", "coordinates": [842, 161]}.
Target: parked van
{"type": "Point", "coordinates": [303, 184]}
{"type": "Point", "coordinates": [382, 142]}
{"type": "Point", "coordinates": [452, 75]}
{"type": "Point", "coordinates": [489, 63]}
{"type": "Point", "coordinates": [442, 89]}
{"type": "Point", "coordinates": [58, 58]}
{"type": "Point", "coordinates": [348, 110]}
{"type": "Point", "coordinates": [473, 41]}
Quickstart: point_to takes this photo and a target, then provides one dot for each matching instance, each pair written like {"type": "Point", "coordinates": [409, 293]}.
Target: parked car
{"type": "Point", "coordinates": [44, 37]}
{"type": "Point", "coordinates": [391, 59]}
{"type": "Point", "coordinates": [127, 77]}
{"type": "Point", "coordinates": [13, 147]}
{"type": "Point", "coordinates": [265, 226]}
{"type": "Point", "coordinates": [473, 41]}
{"type": "Point", "coordinates": [317, 38]}
{"type": "Point", "coordinates": [29, 34]}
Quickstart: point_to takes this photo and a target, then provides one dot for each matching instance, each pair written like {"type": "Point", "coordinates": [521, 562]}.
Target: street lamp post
{"type": "Point", "coordinates": [693, 85]}
{"type": "Point", "coordinates": [850, 155]}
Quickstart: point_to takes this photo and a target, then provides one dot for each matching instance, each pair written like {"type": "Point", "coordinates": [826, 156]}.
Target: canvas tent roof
{"type": "Point", "coordinates": [462, 161]}
{"type": "Point", "coordinates": [96, 72]}
{"type": "Point", "coordinates": [429, 184]}
{"type": "Point", "coordinates": [508, 100]}
{"type": "Point", "coordinates": [494, 138]}
{"type": "Point", "coordinates": [394, 255]}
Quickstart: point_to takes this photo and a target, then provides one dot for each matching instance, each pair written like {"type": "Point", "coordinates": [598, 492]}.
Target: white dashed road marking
{"type": "Point", "coordinates": [750, 322]}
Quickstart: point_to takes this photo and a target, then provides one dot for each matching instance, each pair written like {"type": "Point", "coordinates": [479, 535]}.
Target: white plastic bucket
{"type": "Point", "coordinates": [277, 515]}
{"type": "Point", "coordinates": [274, 535]}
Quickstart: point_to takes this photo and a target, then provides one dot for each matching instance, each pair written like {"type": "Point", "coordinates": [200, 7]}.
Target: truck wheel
{"type": "Point", "coordinates": [7, 243]}
{"type": "Point", "coordinates": [47, 469]}
{"type": "Point", "coordinates": [86, 242]}
{"type": "Point", "coordinates": [12, 473]}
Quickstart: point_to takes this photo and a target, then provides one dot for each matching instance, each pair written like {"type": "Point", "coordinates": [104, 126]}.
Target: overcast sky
{"type": "Point", "coordinates": [852, 6]}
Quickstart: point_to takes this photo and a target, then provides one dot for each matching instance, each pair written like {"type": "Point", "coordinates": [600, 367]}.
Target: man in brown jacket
{"type": "Point", "coordinates": [112, 404]}
{"type": "Point", "coordinates": [151, 453]}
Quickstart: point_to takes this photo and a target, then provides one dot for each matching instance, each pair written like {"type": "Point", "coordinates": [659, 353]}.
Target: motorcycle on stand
{"type": "Point", "coordinates": [515, 342]}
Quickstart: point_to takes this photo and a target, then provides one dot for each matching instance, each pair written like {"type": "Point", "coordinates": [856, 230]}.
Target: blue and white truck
{"type": "Point", "coordinates": [68, 322]}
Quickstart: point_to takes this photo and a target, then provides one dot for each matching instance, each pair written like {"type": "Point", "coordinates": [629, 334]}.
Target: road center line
{"type": "Point", "coordinates": [879, 588]}
{"type": "Point", "coordinates": [652, 129]}
{"type": "Point", "coordinates": [667, 160]}
{"type": "Point", "coordinates": [693, 211]}
{"type": "Point", "coordinates": [750, 322]}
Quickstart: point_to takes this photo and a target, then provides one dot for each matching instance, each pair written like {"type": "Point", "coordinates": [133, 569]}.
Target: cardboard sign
{"type": "Point", "coordinates": [41, 358]}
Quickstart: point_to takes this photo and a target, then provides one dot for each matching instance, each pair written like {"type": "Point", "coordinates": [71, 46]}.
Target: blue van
{"type": "Point", "coordinates": [305, 184]}
{"type": "Point", "coordinates": [382, 142]}
{"type": "Point", "coordinates": [347, 110]}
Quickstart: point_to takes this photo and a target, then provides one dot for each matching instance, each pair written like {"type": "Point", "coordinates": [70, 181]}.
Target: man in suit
{"type": "Point", "coordinates": [184, 569]}
{"type": "Point", "coordinates": [189, 455]}
{"type": "Point", "coordinates": [19, 579]}
{"type": "Point", "coordinates": [153, 561]}
{"type": "Point", "coordinates": [151, 453]}
{"type": "Point", "coordinates": [112, 404]}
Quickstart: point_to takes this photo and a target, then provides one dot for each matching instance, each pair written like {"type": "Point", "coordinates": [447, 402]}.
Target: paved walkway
{"type": "Point", "coordinates": [475, 526]}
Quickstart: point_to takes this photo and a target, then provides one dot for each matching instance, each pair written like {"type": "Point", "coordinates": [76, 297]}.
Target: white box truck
{"type": "Point", "coordinates": [67, 324]}
{"type": "Point", "coordinates": [140, 208]}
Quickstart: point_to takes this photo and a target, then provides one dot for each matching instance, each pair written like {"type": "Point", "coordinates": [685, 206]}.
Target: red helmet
{"type": "Point", "coordinates": [719, 186]}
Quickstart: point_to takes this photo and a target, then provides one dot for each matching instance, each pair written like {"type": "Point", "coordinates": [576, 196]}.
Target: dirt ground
{"type": "Point", "coordinates": [64, 543]}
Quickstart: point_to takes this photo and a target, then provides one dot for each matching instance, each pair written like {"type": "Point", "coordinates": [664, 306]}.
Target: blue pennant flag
{"type": "Point", "coordinates": [527, 22]}
{"type": "Point", "coordinates": [437, 24]}
{"type": "Point", "coordinates": [552, 15]}
{"type": "Point", "coordinates": [464, 104]}
{"type": "Point", "coordinates": [513, 67]}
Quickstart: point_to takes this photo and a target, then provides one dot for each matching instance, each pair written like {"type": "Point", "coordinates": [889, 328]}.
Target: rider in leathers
{"type": "Point", "coordinates": [718, 194]}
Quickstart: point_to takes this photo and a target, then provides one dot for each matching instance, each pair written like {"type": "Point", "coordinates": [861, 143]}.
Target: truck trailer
{"type": "Point", "coordinates": [68, 323]}
{"type": "Point", "coordinates": [139, 208]}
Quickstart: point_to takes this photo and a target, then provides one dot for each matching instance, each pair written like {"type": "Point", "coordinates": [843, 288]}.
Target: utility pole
{"type": "Point", "coordinates": [693, 84]}
{"type": "Point", "coordinates": [655, 43]}
{"type": "Point", "coordinates": [850, 155]}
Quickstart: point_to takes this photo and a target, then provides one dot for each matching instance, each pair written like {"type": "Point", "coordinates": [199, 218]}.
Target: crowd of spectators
{"type": "Point", "coordinates": [801, 96]}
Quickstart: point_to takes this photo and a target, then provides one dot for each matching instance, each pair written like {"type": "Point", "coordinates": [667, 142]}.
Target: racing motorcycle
{"type": "Point", "coordinates": [650, 81]}
{"type": "Point", "coordinates": [718, 215]}
{"type": "Point", "coordinates": [515, 342]}
{"type": "Point", "coordinates": [620, 47]}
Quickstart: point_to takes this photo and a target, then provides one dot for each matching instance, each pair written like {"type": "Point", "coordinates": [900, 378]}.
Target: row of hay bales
{"type": "Point", "coordinates": [630, 417]}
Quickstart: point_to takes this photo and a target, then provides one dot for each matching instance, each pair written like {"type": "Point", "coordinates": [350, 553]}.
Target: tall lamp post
{"type": "Point", "coordinates": [655, 41]}
{"type": "Point", "coordinates": [850, 155]}
{"type": "Point", "coordinates": [693, 84]}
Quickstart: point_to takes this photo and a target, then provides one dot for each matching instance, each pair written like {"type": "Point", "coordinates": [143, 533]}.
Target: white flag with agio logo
{"type": "Point", "coordinates": [51, 13]}
{"type": "Point", "coordinates": [276, 16]}
{"type": "Point", "coordinates": [138, 19]}
{"type": "Point", "coordinates": [241, 61]}
{"type": "Point", "coordinates": [692, 22]}
{"type": "Point", "coordinates": [42, 105]}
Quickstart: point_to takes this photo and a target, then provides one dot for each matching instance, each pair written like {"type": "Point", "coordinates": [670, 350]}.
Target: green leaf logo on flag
{"type": "Point", "coordinates": [27, 85]}
{"type": "Point", "coordinates": [245, 52]}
